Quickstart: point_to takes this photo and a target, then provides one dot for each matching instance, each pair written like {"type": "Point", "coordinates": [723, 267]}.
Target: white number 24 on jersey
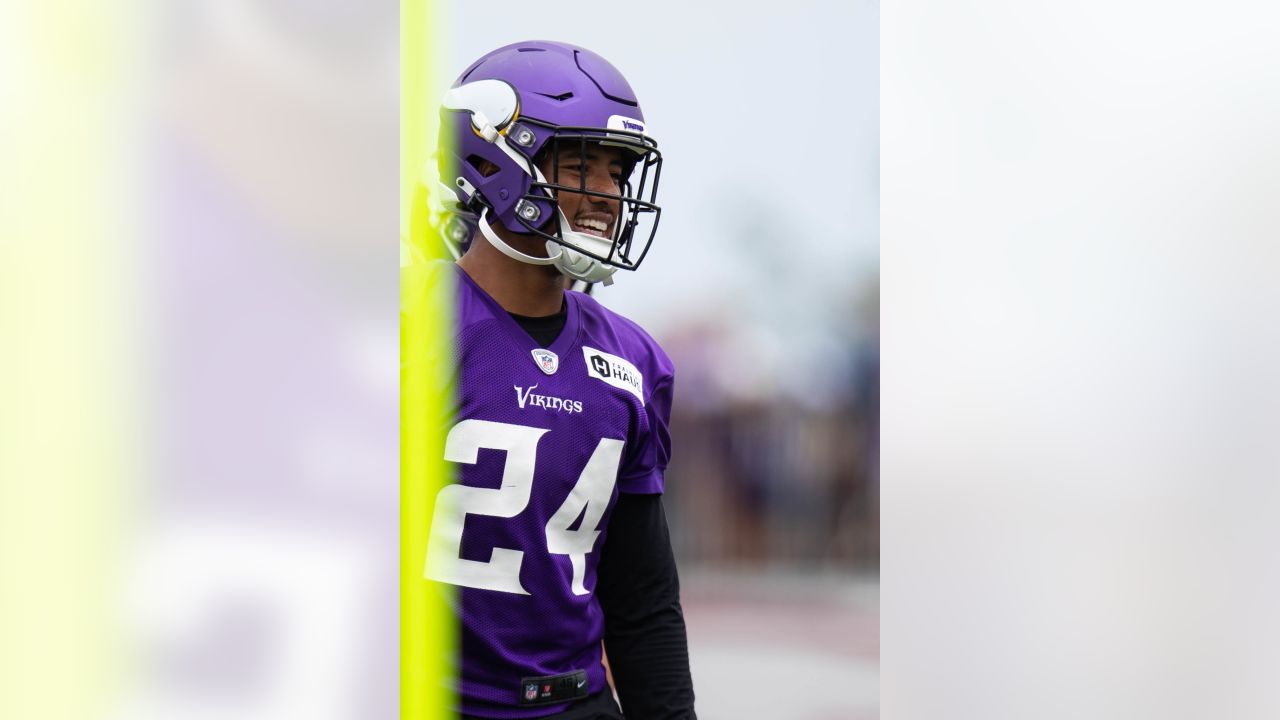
{"type": "Point", "coordinates": [502, 571]}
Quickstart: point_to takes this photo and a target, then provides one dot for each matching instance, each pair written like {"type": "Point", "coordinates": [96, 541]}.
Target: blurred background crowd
{"type": "Point", "coordinates": [767, 474]}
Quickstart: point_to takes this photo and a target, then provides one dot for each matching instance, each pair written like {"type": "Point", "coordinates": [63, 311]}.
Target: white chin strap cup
{"type": "Point", "coordinates": [586, 269]}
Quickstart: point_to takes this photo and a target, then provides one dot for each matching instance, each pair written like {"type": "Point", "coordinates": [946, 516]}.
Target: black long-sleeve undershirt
{"type": "Point", "coordinates": [644, 630]}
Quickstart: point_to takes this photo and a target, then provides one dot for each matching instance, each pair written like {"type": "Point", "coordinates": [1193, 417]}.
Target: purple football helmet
{"type": "Point", "coordinates": [521, 102]}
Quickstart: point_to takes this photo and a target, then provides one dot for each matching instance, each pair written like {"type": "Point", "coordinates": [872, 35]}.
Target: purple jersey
{"type": "Point", "coordinates": [543, 441]}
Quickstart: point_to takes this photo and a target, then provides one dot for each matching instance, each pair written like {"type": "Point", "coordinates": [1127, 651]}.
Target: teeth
{"type": "Point", "coordinates": [592, 225]}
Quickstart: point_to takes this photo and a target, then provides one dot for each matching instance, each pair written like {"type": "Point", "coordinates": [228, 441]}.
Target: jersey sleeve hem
{"type": "Point", "coordinates": [650, 483]}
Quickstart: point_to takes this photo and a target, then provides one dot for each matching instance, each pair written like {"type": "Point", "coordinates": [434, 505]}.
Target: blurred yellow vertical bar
{"type": "Point", "coordinates": [67, 73]}
{"type": "Point", "coordinates": [428, 635]}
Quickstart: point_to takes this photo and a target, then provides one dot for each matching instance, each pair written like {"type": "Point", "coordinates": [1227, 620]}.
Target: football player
{"type": "Point", "coordinates": [554, 533]}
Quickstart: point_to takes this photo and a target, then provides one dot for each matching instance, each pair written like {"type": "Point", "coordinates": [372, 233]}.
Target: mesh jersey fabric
{"type": "Point", "coordinates": [545, 628]}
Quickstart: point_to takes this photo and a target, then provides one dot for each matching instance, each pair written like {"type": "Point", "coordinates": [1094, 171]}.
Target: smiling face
{"type": "Point", "coordinates": [599, 169]}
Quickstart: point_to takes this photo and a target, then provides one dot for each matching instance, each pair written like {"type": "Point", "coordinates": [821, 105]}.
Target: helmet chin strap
{"type": "Point", "coordinates": [511, 252]}
{"type": "Point", "coordinates": [571, 263]}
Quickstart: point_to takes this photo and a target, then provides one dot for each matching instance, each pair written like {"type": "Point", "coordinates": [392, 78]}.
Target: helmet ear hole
{"type": "Point", "coordinates": [482, 166]}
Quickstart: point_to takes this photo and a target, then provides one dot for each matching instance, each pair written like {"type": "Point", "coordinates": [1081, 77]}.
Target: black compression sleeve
{"type": "Point", "coordinates": [644, 631]}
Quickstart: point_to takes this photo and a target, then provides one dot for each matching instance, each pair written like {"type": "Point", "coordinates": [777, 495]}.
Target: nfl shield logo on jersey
{"type": "Point", "coordinates": [548, 361]}
{"type": "Point", "coordinates": [530, 691]}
